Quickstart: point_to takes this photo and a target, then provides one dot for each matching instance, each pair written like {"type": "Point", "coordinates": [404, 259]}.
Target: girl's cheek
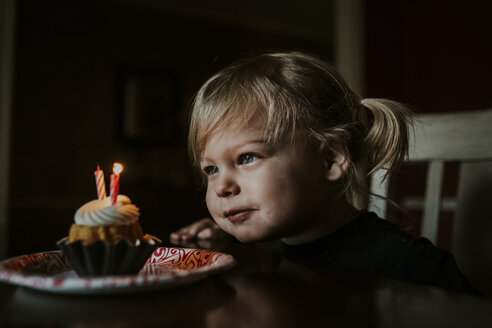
{"type": "Point", "coordinates": [208, 200]}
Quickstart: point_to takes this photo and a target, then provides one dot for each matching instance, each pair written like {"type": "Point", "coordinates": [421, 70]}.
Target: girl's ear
{"type": "Point", "coordinates": [336, 165]}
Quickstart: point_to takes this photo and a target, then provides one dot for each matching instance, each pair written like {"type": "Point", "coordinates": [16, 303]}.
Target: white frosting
{"type": "Point", "coordinates": [102, 213]}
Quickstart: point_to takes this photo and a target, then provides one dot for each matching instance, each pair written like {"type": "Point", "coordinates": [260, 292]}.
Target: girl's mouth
{"type": "Point", "coordinates": [236, 216]}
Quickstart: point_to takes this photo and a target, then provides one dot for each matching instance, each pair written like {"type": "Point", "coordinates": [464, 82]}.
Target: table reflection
{"type": "Point", "coordinates": [184, 306]}
{"type": "Point", "coordinates": [282, 299]}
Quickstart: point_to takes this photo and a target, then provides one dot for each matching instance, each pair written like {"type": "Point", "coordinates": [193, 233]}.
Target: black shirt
{"type": "Point", "coordinates": [375, 246]}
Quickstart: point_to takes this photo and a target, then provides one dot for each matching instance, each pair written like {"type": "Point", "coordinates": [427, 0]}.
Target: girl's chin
{"type": "Point", "coordinates": [245, 235]}
{"type": "Point", "coordinates": [249, 239]}
{"type": "Point", "coordinates": [240, 236]}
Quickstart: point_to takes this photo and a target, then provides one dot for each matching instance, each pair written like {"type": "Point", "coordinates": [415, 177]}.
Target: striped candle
{"type": "Point", "coordinates": [115, 182]}
{"type": "Point", "coordinates": [100, 185]}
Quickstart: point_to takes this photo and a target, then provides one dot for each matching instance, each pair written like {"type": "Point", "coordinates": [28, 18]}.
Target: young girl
{"type": "Point", "coordinates": [283, 143]}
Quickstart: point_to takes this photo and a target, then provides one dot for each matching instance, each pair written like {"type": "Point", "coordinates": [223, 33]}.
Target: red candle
{"type": "Point", "coordinates": [115, 182]}
{"type": "Point", "coordinates": [100, 185]}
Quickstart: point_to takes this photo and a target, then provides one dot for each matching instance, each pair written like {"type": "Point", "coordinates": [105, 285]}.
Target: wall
{"type": "Point", "coordinates": [7, 35]}
{"type": "Point", "coordinates": [434, 56]}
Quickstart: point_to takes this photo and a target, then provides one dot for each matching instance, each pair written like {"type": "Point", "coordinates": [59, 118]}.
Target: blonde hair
{"type": "Point", "coordinates": [296, 93]}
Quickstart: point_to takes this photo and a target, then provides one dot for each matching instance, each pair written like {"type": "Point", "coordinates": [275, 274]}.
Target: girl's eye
{"type": "Point", "coordinates": [247, 158]}
{"type": "Point", "coordinates": [209, 170]}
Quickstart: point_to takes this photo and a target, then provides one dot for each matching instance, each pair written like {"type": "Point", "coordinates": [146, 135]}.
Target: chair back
{"type": "Point", "coordinates": [464, 138]}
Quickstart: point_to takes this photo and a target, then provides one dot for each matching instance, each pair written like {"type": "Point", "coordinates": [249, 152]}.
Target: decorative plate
{"type": "Point", "coordinates": [167, 267]}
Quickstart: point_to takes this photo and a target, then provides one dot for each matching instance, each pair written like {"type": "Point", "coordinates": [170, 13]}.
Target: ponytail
{"type": "Point", "coordinates": [386, 142]}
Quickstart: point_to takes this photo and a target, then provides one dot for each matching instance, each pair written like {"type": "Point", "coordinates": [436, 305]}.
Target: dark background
{"type": "Point", "coordinates": [73, 60]}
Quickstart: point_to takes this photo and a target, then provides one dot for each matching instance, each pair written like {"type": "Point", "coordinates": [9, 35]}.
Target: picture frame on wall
{"type": "Point", "coordinates": [149, 101]}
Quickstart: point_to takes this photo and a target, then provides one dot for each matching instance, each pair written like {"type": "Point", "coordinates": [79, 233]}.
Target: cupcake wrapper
{"type": "Point", "coordinates": [101, 258]}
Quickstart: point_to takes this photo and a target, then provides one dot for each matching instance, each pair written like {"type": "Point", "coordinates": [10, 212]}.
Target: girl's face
{"type": "Point", "coordinates": [256, 192]}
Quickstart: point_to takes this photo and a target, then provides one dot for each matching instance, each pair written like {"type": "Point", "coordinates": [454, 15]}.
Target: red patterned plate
{"type": "Point", "coordinates": [167, 267]}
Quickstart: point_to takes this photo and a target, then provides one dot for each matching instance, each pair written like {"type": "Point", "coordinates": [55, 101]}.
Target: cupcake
{"type": "Point", "coordinates": [99, 220]}
{"type": "Point", "coordinates": [107, 239]}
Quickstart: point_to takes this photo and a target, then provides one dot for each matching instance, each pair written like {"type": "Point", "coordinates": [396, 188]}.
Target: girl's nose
{"type": "Point", "coordinates": [227, 186]}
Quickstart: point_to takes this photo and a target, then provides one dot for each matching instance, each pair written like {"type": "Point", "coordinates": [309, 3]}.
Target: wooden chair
{"type": "Point", "coordinates": [465, 138]}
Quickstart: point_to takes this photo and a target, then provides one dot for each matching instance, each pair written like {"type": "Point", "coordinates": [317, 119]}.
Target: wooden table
{"type": "Point", "coordinates": [261, 291]}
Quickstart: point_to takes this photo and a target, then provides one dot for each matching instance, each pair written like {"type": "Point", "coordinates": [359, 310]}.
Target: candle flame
{"type": "Point", "coordinates": [117, 168]}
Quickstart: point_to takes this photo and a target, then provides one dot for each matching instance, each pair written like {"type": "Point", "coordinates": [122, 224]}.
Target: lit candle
{"type": "Point", "coordinates": [115, 182]}
{"type": "Point", "coordinates": [100, 185]}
